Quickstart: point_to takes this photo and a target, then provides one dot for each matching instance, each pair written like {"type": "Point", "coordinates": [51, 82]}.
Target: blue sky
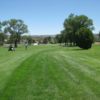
{"type": "Point", "coordinates": [47, 16]}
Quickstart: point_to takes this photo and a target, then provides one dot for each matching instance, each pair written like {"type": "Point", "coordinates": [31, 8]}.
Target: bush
{"type": "Point", "coordinates": [84, 38]}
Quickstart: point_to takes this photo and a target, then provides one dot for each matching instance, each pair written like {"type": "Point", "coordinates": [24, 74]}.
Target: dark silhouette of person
{"type": "Point", "coordinates": [11, 48]}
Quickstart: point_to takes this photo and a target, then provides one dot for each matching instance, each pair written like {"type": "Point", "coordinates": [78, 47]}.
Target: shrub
{"type": "Point", "coordinates": [84, 38]}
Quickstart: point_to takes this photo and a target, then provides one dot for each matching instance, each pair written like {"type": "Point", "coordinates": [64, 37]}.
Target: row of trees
{"type": "Point", "coordinates": [77, 32]}
{"type": "Point", "coordinates": [14, 28]}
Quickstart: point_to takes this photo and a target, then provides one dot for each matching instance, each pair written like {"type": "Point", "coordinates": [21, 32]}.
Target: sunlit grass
{"type": "Point", "coordinates": [50, 72]}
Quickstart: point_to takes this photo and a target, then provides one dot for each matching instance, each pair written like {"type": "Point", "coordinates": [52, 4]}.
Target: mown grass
{"type": "Point", "coordinates": [50, 73]}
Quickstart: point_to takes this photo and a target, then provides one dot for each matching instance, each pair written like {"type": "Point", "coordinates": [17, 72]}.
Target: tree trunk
{"type": "Point", "coordinates": [15, 44]}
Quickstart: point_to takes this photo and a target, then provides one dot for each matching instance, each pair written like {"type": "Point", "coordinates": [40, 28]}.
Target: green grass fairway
{"type": "Point", "coordinates": [50, 72]}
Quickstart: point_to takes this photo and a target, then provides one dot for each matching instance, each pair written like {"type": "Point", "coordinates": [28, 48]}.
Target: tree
{"type": "Point", "coordinates": [0, 26]}
{"type": "Point", "coordinates": [85, 38]}
{"type": "Point", "coordinates": [15, 28]}
{"type": "Point", "coordinates": [72, 28]}
{"type": "Point", "coordinates": [62, 37]}
{"type": "Point", "coordinates": [2, 38]}
{"type": "Point", "coordinates": [72, 25]}
{"type": "Point", "coordinates": [48, 39]}
{"type": "Point", "coordinates": [59, 38]}
{"type": "Point", "coordinates": [2, 35]}
{"type": "Point", "coordinates": [30, 40]}
{"type": "Point", "coordinates": [45, 40]}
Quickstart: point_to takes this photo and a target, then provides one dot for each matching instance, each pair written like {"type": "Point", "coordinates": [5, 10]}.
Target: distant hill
{"type": "Point", "coordinates": [42, 36]}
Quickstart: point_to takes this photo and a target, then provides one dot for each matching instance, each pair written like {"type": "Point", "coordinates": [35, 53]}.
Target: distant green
{"type": "Point", "coordinates": [50, 72]}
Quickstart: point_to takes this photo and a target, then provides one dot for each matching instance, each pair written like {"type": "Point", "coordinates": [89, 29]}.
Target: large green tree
{"type": "Point", "coordinates": [15, 27]}
{"type": "Point", "coordinates": [72, 25]}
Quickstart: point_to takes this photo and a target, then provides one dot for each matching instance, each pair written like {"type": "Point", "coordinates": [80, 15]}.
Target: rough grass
{"type": "Point", "coordinates": [50, 73]}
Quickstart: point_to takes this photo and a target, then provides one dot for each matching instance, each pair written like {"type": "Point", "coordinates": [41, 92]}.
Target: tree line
{"type": "Point", "coordinates": [77, 32]}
